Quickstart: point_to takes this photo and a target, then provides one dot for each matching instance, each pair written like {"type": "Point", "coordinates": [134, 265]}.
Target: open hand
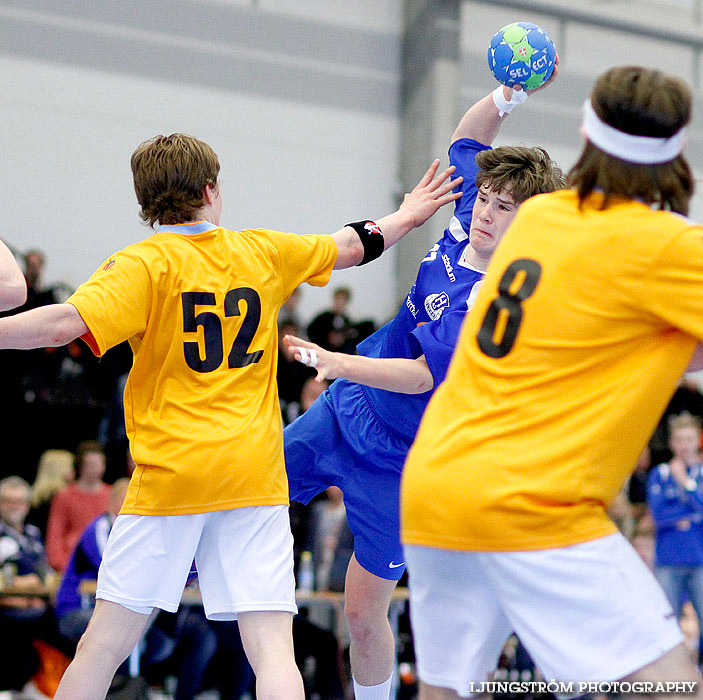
{"type": "Point", "coordinates": [432, 192]}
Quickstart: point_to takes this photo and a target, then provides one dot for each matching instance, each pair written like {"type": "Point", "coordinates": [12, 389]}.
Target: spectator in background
{"type": "Point", "coordinates": [112, 432]}
{"type": "Point", "coordinates": [77, 505]}
{"type": "Point", "coordinates": [332, 329]}
{"type": "Point", "coordinates": [290, 375]}
{"type": "Point", "coordinates": [22, 619]}
{"type": "Point", "coordinates": [637, 485]}
{"type": "Point", "coordinates": [629, 510]}
{"type": "Point", "coordinates": [13, 288]}
{"type": "Point", "coordinates": [37, 294]}
{"type": "Point", "coordinates": [37, 370]}
{"type": "Point", "coordinates": [675, 493]}
{"type": "Point", "coordinates": [333, 542]}
{"type": "Point", "coordinates": [72, 616]}
{"type": "Point", "coordinates": [686, 398]}
{"type": "Point", "coordinates": [289, 311]}
{"type": "Point", "coordinates": [55, 472]}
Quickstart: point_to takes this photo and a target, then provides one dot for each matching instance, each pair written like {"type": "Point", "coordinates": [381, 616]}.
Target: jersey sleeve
{"type": "Point", "coordinates": [462, 155]}
{"type": "Point", "coordinates": [114, 302]}
{"type": "Point", "coordinates": [303, 258]}
{"type": "Point", "coordinates": [675, 285]}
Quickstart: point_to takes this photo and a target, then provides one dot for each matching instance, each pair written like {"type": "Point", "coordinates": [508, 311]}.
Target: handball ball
{"type": "Point", "coordinates": [522, 53]}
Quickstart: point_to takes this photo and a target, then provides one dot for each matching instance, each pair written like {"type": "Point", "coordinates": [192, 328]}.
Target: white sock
{"type": "Point", "coordinates": [382, 691]}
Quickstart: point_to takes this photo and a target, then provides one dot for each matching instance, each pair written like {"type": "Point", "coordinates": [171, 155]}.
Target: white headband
{"type": "Point", "coordinates": [630, 147]}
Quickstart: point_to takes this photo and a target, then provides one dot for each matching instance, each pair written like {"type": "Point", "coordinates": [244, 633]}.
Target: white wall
{"type": "Point", "coordinates": [67, 132]}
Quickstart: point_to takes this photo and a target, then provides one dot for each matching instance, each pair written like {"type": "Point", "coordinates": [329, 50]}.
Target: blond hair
{"type": "Point", "coordinates": [55, 470]}
{"type": "Point", "coordinates": [684, 420]}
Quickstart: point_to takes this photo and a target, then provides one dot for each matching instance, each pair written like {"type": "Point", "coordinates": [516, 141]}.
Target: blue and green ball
{"type": "Point", "coordinates": [522, 53]}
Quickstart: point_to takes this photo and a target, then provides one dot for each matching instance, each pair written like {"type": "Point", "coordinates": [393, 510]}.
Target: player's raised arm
{"type": "Point", "coordinates": [399, 374]}
{"type": "Point", "coordinates": [13, 288]}
{"type": "Point", "coordinates": [44, 327]}
{"type": "Point", "coordinates": [364, 241]}
{"type": "Point", "coordinates": [483, 120]}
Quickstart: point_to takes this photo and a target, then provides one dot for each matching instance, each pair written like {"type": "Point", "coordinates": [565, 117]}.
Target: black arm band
{"type": "Point", "coordinates": [371, 238]}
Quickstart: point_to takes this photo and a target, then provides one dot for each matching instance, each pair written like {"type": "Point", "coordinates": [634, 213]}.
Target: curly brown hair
{"type": "Point", "coordinates": [522, 171]}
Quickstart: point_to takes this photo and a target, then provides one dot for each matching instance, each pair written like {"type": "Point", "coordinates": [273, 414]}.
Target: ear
{"type": "Point", "coordinates": [210, 193]}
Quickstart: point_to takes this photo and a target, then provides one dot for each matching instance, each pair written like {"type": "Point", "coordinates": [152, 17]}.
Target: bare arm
{"type": "Point", "coordinates": [429, 195]}
{"type": "Point", "coordinates": [44, 327]}
{"type": "Point", "coordinates": [482, 121]}
{"type": "Point", "coordinates": [390, 373]}
{"type": "Point", "coordinates": [13, 288]}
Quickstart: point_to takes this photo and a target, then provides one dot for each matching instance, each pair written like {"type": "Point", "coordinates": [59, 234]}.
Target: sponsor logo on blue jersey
{"type": "Point", "coordinates": [448, 267]}
{"type": "Point", "coordinates": [435, 304]}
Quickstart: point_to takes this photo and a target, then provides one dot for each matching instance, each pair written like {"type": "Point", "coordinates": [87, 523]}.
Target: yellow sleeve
{"type": "Point", "coordinates": [674, 292]}
{"type": "Point", "coordinates": [308, 258]}
{"type": "Point", "coordinates": [114, 302]}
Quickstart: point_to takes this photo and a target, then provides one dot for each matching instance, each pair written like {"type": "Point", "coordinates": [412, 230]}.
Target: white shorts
{"type": "Point", "coordinates": [244, 558]}
{"type": "Point", "coordinates": [588, 612]}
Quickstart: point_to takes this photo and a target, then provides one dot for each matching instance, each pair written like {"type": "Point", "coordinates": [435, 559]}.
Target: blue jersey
{"type": "Point", "coordinates": [678, 516]}
{"type": "Point", "coordinates": [23, 548]}
{"type": "Point", "coordinates": [356, 437]}
{"type": "Point", "coordinates": [428, 322]}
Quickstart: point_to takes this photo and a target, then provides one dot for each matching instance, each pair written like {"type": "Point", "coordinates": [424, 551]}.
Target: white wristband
{"type": "Point", "coordinates": [506, 106]}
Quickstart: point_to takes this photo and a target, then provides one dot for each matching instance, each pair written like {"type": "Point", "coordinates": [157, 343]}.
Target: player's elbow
{"type": "Point", "coordinates": [422, 383]}
{"type": "Point", "coordinates": [13, 293]}
{"type": "Point", "coordinates": [421, 377]}
{"type": "Point", "coordinates": [64, 325]}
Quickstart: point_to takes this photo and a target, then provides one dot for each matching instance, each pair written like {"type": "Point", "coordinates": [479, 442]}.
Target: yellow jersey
{"type": "Point", "coordinates": [199, 306]}
{"type": "Point", "coordinates": [584, 323]}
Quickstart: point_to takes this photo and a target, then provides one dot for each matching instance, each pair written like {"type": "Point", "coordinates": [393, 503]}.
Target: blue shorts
{"type": "Point", "coordinates": [340, 442]}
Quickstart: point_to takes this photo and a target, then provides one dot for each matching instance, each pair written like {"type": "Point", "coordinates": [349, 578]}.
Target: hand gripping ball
{"type": "Point", "coordinates": [522, 53]}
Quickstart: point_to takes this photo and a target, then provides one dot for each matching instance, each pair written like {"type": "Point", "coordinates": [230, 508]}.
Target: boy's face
{"type": "Point", "coordinates": [93, 465]}
{"type": "Point", "coordinates": [685, 443]}
{"type": "Point", "coordinates": [493, 212]}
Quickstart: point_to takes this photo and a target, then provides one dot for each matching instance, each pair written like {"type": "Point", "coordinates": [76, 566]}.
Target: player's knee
{"type": "Point", "coordinates": [362, 621]}
{"type": "Point", "coordinates": [109, 653]}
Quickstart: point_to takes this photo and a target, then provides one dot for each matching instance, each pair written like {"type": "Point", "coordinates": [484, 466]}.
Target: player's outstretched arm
{"type": "Point", "coordinates": [45, 327]}
{"type": "Point", "coordinates": [432, 192]}
{"type": "Point", "coordinates": [483, 120]}
{"type": "Point", "coordinates": [390, 373]}
{"type": "Point", "coordinates": [13, 288]}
